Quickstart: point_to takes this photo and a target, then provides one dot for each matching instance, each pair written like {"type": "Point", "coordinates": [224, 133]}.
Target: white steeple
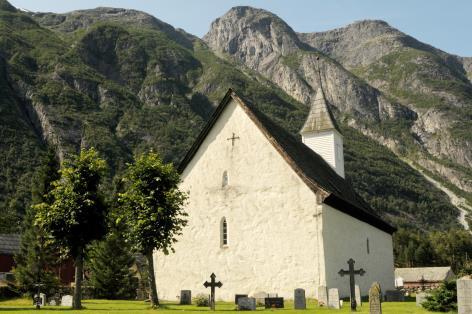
{"type": "Point", "coordinates": [321, 134]}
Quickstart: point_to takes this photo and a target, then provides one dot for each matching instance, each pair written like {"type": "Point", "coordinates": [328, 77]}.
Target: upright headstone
{"type": "Point", "coordinates": [375, 296]}
{"type": "Point", "coordinates": [260, 297]}
{"type": "Point", "coordinates": [299, 299]}
{"type": "Point", "coordinates": [464, 295]}
{"type": "Point", "coordinates": [238, 296]}
{"type": "Point", "coordinates": [420, 298]}
{"type": "Point", "coordinates": [333, 298]}
{"type": "Point", "coordinates": [322, 296]}
{"type": "Point", "coordinates": [52, 302]}
{"type": "Point", "coordinates": [246, 304]}
{"type": "Point", "coordinates": [358, 296]}
{"type": "Point", "coordinates": [394, 296]}
{"type": "Point", "coordinates": [66, 300]}
{"type": "Point", "coordinates": [274, 303]}
{"type": "Point", "coordinates": [41, 300]}
{"type": "Point", "coordinates": [185, 297]}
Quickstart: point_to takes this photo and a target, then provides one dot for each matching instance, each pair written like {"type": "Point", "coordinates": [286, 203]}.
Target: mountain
{"type": "Point", "coordinates": [408, 96]}
{"type": "Point", "coordinates": [124, 82]}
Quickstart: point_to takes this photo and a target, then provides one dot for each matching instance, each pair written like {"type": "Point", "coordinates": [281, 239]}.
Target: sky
{"type": "Point", "coordinates": [444, 24]}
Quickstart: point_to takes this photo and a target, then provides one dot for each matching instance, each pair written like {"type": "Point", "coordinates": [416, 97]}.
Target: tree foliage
{"type": "Point", "coordinates": [152, 205]}
{"type": "Point", "coordinates": [443, 299]}
{"type": "Point", "coordinates": [110, 263]}
{"type": "Point", "coordinates": [437, 248]}
{"type": "Point", "coordinates": [37, 257]}
{"type": "Point", "coordinates": [152, 208]}
{"type": "Point", "coordinates": [77, 215]}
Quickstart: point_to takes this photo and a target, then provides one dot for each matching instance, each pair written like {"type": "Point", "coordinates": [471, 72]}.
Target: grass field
{"type": "Point", "coordinates": [140, 307]}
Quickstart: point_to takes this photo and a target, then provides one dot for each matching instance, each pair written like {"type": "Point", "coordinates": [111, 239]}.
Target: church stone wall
{"type": "Point", "coordinates": [274, 239]}
{"type": "Point", "coordinates": [345, 238]}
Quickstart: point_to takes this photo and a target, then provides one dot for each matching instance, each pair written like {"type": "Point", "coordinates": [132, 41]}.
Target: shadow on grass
{"type": "Point", "coordinates": [18, 309]}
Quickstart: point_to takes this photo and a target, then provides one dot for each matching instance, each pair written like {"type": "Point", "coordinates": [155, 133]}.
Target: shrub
{"type": "Point", "coordinates": [9, 292]}
{"type": "Point", "coordinates": [201, 300]}
{"type": "Point", "coordinates": [443, 299]}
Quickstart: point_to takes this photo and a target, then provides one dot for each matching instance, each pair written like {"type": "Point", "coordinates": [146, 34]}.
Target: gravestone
{"type": "Point", "coordinates": [66, 300]}
{"type": "Point", "coordinates": [41, 301]}
{"type": "Point", "coordinates": [260, 297]}
{"type": "Point", "coordinates": [299, 299]}
{"type": "Point", "coordinates": [464, 295]}
{"type": "Point", "coordinates": [375, 299]}
{"type": "Point", "coordinates": [420, 298]}
{"type": "Point", "coordinates": [322, 296]}
{"type": "Point", "coordinates": [352, 281]}
{"type": "Point", "coordinates": [274, 303]}
{"type": "Point", "coordinates": [212, 284]}
{"type": "Point", "coordinates": [394, 296]}
{"type": "Point", "coordinates": [246, 304]}
{"type": "Point", "coordinates": [185, 297]}
{"type": "Point", "coordinates": [333, 298]}
{"type": "Point", "coordinates": [358, 296]}
{"type": "Point", "coordinates": [238, 296]}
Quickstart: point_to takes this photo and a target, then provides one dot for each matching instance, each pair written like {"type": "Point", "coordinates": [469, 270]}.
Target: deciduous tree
{"type": "Point", "coordinates": [152, 208]}
{"type": "Point", "coordinates": [77, 215]}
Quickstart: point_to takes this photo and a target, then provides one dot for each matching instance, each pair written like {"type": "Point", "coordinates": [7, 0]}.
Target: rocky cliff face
{"type": "Point", "coordinates": [265, 43]}
{"type": "Point", "coordinates": [372, 74]}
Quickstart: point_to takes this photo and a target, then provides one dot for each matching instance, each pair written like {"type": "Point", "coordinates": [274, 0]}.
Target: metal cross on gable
{"type": "Point", "coordinates": [233, 138]}
{"type": "Point", "coordinates": [352, 282]}
{"type": "Point", "coordinates": [212, 284]}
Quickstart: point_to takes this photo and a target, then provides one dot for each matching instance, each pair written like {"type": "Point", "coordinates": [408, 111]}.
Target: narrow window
{"type": "Point", "coordinates": [224, 181]}
{"type": "Point", "coordinates": [224, 232]}
{"type": "Point", "coordinates": [368, 246]}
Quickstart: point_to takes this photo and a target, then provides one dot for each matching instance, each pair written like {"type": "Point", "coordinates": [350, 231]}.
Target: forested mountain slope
{"type": "Point", "coordinates": [123, 82]}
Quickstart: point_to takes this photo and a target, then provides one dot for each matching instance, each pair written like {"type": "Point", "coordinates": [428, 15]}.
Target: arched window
{"type": "Point", "coordinates": [368, 246]}
{"type": "Point", "coordinates": [223, 232]}
{"type": "Point", "coordinates": [224, 181]}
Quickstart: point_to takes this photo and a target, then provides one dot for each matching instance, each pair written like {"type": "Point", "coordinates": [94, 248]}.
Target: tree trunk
{"type": "Point", "coordinates": [79, 269]}
{"type": "Point", "coordinates": [152, 280]}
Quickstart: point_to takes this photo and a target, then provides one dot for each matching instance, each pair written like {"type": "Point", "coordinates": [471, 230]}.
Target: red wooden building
{"type": "Point", "coordinates": [10, 245]}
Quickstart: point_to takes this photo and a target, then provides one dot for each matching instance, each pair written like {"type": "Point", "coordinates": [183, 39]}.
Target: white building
{"type": "Point", "coordinates": [268, 214]}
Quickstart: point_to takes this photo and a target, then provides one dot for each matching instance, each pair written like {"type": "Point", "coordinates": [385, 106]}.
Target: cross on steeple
{"type": "Point", "coordinates": [352, 282]}
{"type": "Point", "coordinates": [212, 284]}
{"type": "Point", "coordinates": [233, 138]}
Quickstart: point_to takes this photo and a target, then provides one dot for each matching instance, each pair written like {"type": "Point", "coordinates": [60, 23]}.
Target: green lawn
{"type": "Point", "coordinates": [140, 307]}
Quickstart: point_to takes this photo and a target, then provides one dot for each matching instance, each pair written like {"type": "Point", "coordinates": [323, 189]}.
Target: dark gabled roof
{"type": "Point", "coordinates": [310, 166]}
{"type": "Point", "coordinates": [9, 244]}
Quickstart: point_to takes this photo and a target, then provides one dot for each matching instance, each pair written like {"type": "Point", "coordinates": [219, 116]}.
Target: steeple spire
{"type": "Point", "coordinates": [319, 118]}
{"type": "Point", "coordinates": [321, 133]}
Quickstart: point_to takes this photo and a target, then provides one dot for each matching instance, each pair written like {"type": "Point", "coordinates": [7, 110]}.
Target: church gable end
{"type": "Point", "coordinates": [314, 171]}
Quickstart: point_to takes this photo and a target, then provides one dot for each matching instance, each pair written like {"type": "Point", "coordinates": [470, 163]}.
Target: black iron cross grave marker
{"type": "Point", "coordinates": [212, 284]}
{"type": "Point", "coordinates": [352, 282]}
{"type": "Point", "coordinates": [233, 138]}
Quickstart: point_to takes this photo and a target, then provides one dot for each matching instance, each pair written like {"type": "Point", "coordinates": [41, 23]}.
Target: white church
{"type": "Point", "coordinates": [268, 213]}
